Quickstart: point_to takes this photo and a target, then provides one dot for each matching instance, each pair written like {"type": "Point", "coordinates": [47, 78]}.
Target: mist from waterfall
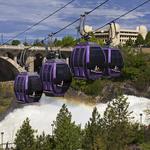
{"type": "Point", "coordinates": [43, 114]}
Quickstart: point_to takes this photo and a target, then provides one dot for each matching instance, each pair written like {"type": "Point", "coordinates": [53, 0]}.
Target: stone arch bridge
{"type": "Point", "coordinates": [10, 57]}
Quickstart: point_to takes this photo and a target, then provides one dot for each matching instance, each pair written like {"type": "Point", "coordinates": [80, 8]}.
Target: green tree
{"type": "Point", "coordinates": [116, 124]}
{"type": "Point", "coordinates": [139, 41]}
{"type": "Point", "coordinates": [25, 136]}
{"type": "Point", "coordinates": [96, 40]}
{"type": "Point", "coordinates": [44, 142]}
{"type": "Point", "coordinates": [15, 42]}
{"type": "Point", "coordinates": [57, 42]}
{"type": "Point", "coordinates": [93, 136]}
{"type": "Point", "coordinates": [147, 39]}
{"type": "Point", "coordinates": [38, 42]}
{"type": "Point", "coordinates": [68, 41]}
{"type": "Point", "coordinates": [129, 42]}
{"type": "Point", "coordinates": [26, 43]}
{"type": "Point", "coordinates": [67, 135]}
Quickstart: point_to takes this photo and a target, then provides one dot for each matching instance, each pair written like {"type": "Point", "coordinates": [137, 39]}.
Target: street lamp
{"type": "Point", "coordinates": [52, 128]}
{"type": "Point", "coordinates": [141, 115]}
{"type": "Point", "coordinates": [2, 135]}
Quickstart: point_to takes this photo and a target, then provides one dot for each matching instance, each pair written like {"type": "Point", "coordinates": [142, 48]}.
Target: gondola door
{"type": "Point", "coordinates": [75, 62]}
{"type": "Point", "coordinates": [81, 62]}
{"type": "Point", "coordinates": [49, 77]}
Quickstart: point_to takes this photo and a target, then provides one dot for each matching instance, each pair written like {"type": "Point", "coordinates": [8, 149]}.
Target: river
{"type": "Point", "coordinates": [43, 114]}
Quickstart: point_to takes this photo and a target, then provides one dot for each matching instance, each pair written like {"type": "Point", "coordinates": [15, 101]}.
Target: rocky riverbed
{"type": "Point", "coordinates": [108, 92]}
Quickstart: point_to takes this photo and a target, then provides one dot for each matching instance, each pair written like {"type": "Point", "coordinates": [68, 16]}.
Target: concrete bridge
{"type": "Point", "coordinates": [10, 59]}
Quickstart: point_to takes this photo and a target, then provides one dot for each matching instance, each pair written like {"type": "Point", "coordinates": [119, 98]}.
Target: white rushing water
{"type": "Point", "coordinates": [44, 113]}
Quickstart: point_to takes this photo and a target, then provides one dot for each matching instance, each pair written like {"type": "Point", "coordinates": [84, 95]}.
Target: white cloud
{"type": "Point", "coordinates": [30, 12]}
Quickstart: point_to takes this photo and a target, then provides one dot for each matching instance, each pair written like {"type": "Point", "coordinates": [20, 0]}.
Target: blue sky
{"type": "Point", "coordinates": [17, 15]}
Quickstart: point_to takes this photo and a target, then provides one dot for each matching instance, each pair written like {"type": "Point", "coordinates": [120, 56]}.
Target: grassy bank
{"type": "Point", "coordinates": [6, 96]}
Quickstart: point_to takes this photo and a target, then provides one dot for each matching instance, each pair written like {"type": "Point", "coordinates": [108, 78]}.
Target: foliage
{"type": "Point", "coordinates": [116, 123]}
{"type": "Point", "coordinates": [136, 133]}
{"type": "Point", "coordinates": [26, 43]}
{"type": "Point", "coordinates": [38, 42]}
{"type": "Point", "coordinates": [25, 136]}
{"type": "Point", "coordinates": [93, 88]}
{"type": "Point", "coordinates": [129, 42]}
{"type": "Point", "coordinates": [15, 42]}
{"type": "Point", "coordinates": [112, 132]}
{"type": "Point", "coordinates": [140, 40]}
{"type": "Point", "coordinates": [67, 134]}
{"type": "Point", "coordinates": [93, 133]}
{"type": "Point", "coordinates": [136, 68]}
{"type": "Point", "coordinates": [44, 142]}
{"type": "Point", "coordinates": [145, 146]}
{"type": "Point", "coordinates": [147, 39]}
{"type": "Point", "coordinates": [5, 104]}
{"type": "Point", "coordinates": [97, 40]}
{"type": "Point", "coordinates": [136, 71]}
{"type": "Point", "coordinates": [68, 41]}
{"type": "Point", "coordinates": [79, 84]}
{"type": "Point", "coordinates": [57, 43]}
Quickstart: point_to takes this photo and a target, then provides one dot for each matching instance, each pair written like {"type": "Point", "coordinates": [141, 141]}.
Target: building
{"type": "Point", "coordinates": [121, 35]}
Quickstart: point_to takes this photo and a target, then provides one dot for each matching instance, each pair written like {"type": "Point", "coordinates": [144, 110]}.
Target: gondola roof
{"type": "Point", "coordinates": [56, 61]}
{"type": "Point", "coordinates": [112, 48]}
{"type": "Point", "coordinates": [29, 73]}
{"type": "Point", "coordinates": [92, 44]}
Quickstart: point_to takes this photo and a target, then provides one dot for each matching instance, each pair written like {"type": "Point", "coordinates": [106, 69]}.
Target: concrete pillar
{"type": "Point", "coordinates": [67, 60]}
{"type": "Point", "coordinates": [15, 59]}
{"type": "Point", "coordinates": [44, 60]}
{"type": "Point", "coordinates": [30, 63]}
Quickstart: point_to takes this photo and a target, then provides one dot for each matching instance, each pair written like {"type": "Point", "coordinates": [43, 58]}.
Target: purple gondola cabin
{"type": "Point", "coordinates": [114, 62]}
{"type": "Point", "coordinates": [28, 87]}
{"type": "Point", "coordinates": [56, 77]}
{"type": "Point", "coordinates": [87, 61]}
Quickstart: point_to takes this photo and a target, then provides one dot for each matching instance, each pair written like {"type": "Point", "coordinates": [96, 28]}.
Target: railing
{"type": "Point", "coordinates": [7, 146]}
{"type": "Point", "coordinates": [35, 48]}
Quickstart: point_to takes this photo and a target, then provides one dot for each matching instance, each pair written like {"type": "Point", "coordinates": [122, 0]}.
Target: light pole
{"type": "Point", "coordinates": [141, 115]}
{"type": "Point", "coordinates": [2, 39]}
{"type": "Point", "coordinates": [52, 128]}
{"type": "Point", "coordinates": [2, 135]}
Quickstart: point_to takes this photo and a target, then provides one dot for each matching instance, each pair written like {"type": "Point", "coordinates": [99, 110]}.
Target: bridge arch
{"type": "Point", "coordinates": [10, 55]}
{"type": "Point", "coordinates": [9, 69]}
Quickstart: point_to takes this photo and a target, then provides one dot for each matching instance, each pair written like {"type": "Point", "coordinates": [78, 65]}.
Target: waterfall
{"type": "Point", "coordinates": [43, 114]}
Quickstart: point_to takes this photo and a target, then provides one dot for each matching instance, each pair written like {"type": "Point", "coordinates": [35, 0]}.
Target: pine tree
{"type": "Point", "coordinates": [67, 135]}
{"type": "Point", "coordinates": [93, 137]}
{"type": "Point", "coordinates": [44, 142]}
{"type": "Point", "coordinates": [117, 125]}
{"type": "Point", "coordinates": [25, 136]}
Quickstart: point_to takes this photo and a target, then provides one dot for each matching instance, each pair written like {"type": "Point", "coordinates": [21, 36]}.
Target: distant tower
{"type": "Point", "coordinates": [115, 34]}
{"type": "Point", "coordinates": [142, 30]}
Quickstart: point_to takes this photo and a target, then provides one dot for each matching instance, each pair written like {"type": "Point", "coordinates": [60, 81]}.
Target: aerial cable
{"type": "Point", "coordinates": [79, 18]}
{"type": "Point", "coordinates": [99, 27]}
{"type": "Point", "coordinates": [114, 20]}
{"type": "Point", "coordinates": [37, 23]}
{"type": "Point", "coordinates": [54, 33]}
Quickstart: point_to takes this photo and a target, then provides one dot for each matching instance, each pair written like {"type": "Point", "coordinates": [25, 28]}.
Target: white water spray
{"type": "Point", "coordinates": [44, 113]}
